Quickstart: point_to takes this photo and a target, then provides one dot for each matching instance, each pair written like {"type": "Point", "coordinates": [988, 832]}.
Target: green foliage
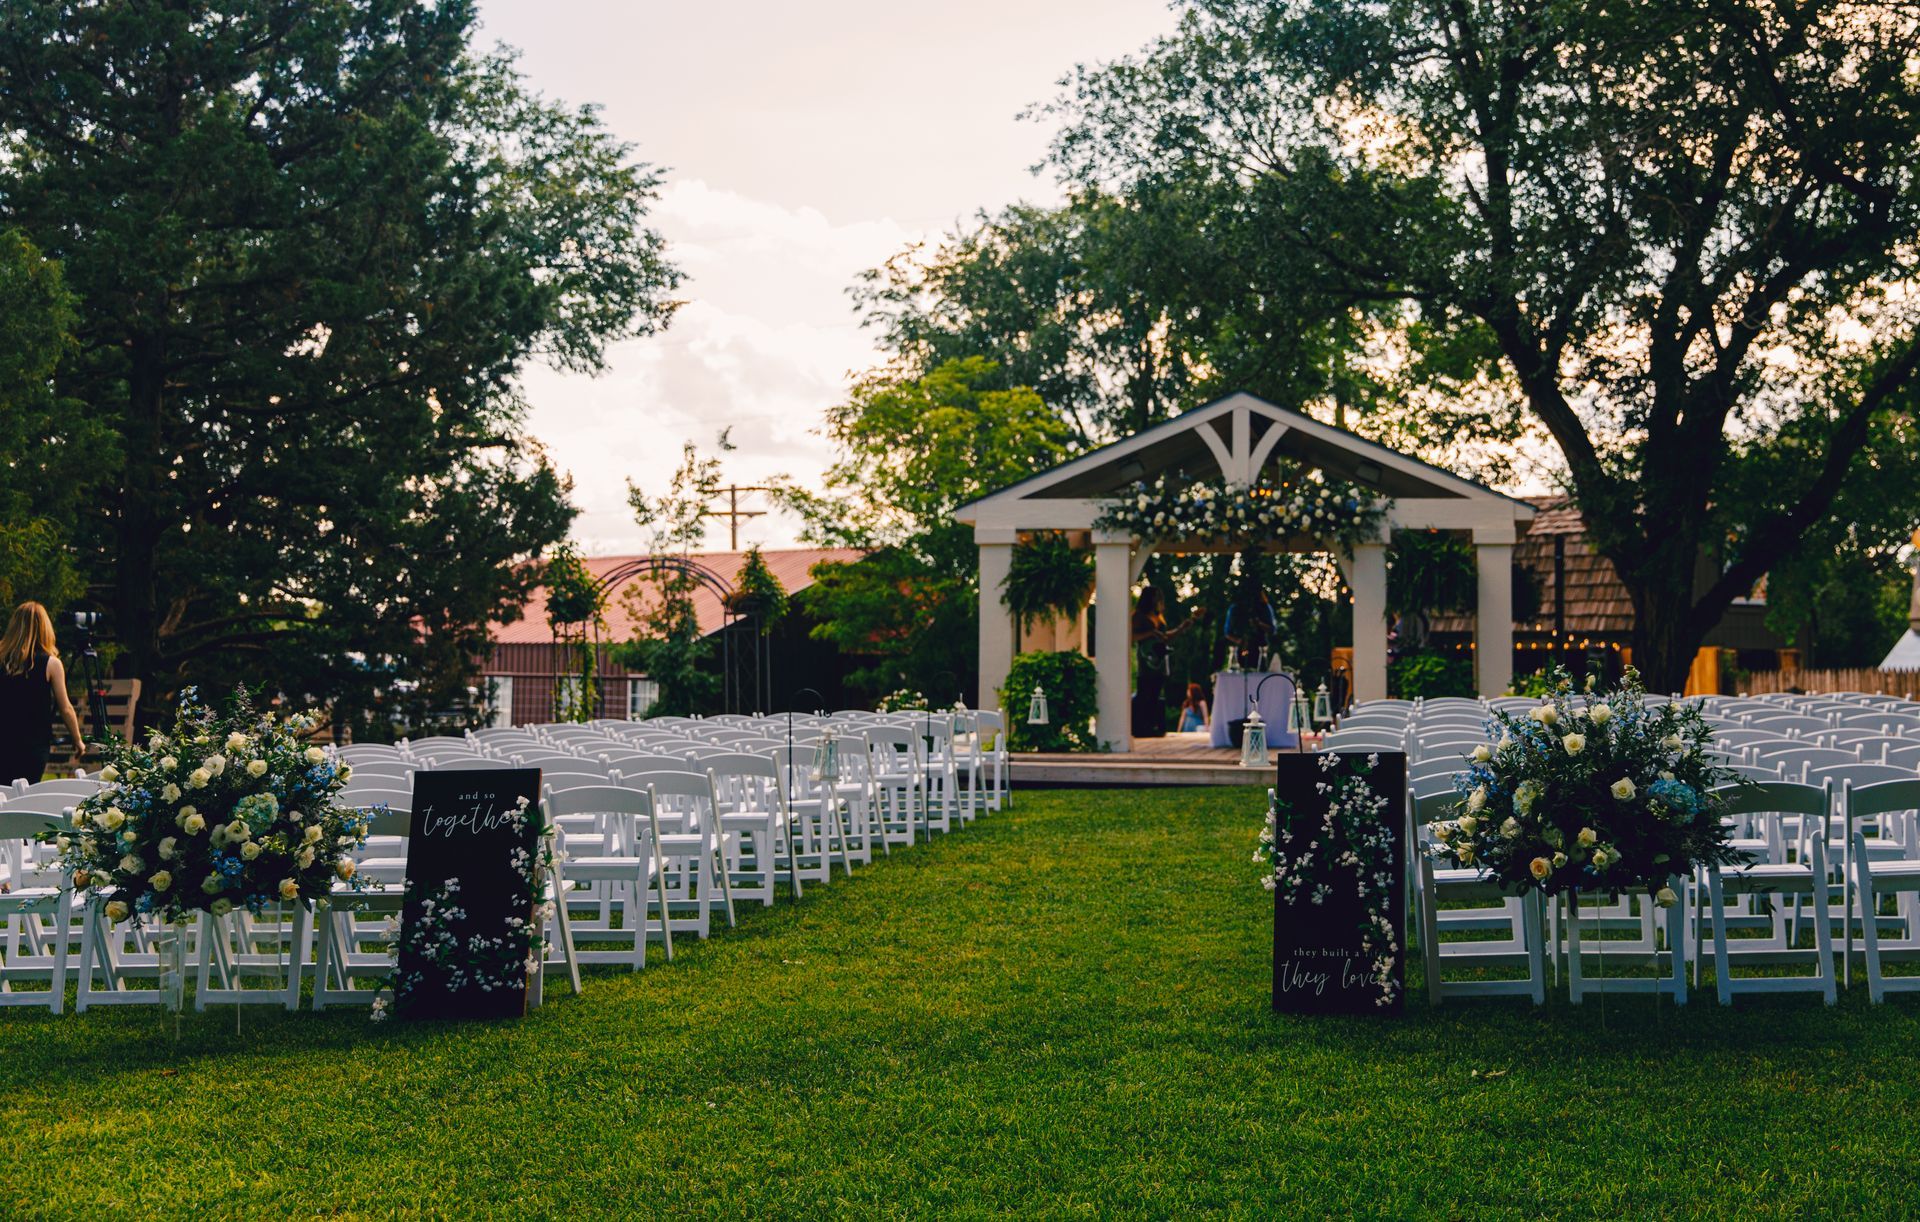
{"type": "Point", "coordinates": [46, 441]}
{"type": "Point", "coordinates": [759, 592]}
{"type": "Point", "coordinates": [1068, 679]}
{"type": "Point", "coordinates": [1673, 306]}
{"type": "Point", "coordinates": [908, 452]}
{"type": "Point", "coordinates": [574, 602]}
{"type": "Point", "coordinates": [312, 258]}
{"type": "Point", "coordinates": [672, 650]}
{"type": "Point", "coordinates": [573, 593]}
{"type": "Point", "coordinates": [1429, 674]}
{"type": "Point", "coordinates": [1047, 578]}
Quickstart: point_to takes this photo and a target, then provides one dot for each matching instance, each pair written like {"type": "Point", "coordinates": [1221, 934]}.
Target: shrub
{"type": "Point", "coordinates": [1068, 680]}
{"type": "Point", "coordinates": [1430, 674]}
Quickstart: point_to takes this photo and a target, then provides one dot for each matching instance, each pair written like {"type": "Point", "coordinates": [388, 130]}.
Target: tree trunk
{"type": "Point", "coordinates": [1665, 635]}
{"type": "Point", "coordinates": [136, 617]}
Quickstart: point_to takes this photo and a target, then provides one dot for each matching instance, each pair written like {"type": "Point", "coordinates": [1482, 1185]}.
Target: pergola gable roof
{"type": "Point", "coordinates": [1237, 436]}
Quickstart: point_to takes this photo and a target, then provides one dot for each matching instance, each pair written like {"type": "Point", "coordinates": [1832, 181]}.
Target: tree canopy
{"type": "Point", "coordinates": [312, 247]}
{"type": "Point", "coordinates": [1684, 232]}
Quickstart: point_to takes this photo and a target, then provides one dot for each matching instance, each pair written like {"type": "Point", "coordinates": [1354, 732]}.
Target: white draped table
{"type": "Point", "coordinates": [1232, 696]}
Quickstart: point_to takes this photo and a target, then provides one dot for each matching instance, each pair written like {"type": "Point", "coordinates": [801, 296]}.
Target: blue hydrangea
{"type": "Point", "coordinates": [1677, 794]}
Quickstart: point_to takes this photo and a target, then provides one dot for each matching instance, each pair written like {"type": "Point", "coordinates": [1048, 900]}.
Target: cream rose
{"type": "Point", "coordinates": [168, 763]}
{"type": "Point", "coordinates": [1588, 837]}
{"type": "Point", "coordinates": [289, 890]}
{"type": "Point", "coordinates": [1477, 800]}
{"type": "Point", "coordinates": [315, 755]}
{"type": "Point", "coordinates": [1665, 897]}
{"type": "Point", "coordinates": [1623, 789]}
{"type": "Point", "coordinates": [313, 833]}
{"type": "Point", "coordinates": [113, 818]}
{"type": "Point", "coordinates": [198, 778]}
{"type": "Point", "coordinates": [1481, 755]}
{"type": "Point", "coordinates": [1599, 714]}
{"type": "Point", "coordinates": [109, 774]}
{"type": "Point", "coordinates": [238, 831]}
{"type": "Point", "coordinates": [249, 850]}
{"type": "Point", "coordinates": [236, 741]}
{"type": "Point", "coordinates": [194, 824]}
{"type": "Point", "coordinates": [1559, 859]}
{"type": "Point", "coordinates": [161, 880]}
{"type": "Point", "coordinates": [116, 911]}
{"type": "Point", "coordinates": [216, 764]}
{"type": "Point", "coordinates": [166, 847]}
{"type": "Point", "coordinates": [220, 907]}
{"type": "Point", "coordinates": [130, 864]}
{"type": "Point", "coordinates": [1574, 743]}
{"type": "Point", "coordinates": [169, 792]}
{"type": "Point", "coordinates": [256, 768]}
{"type": "Point", "coordinates": [304, 858]}
{"type": "Point", "coordinates": [1540, 867]}
{"type": "Point", "coordinates": [1469, 824]}
{"type": "Point", "coordinates": [1510, 829]}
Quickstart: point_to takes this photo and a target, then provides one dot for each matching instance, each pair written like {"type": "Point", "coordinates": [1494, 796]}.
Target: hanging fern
{"type": "Point", "coordinates": [756, 591]}
{"type": "Point", "coordinates": [1048, 578]}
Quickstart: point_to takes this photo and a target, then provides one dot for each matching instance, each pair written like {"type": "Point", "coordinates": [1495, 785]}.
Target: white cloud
{"type": "Point", "coordinates": [764, 345]}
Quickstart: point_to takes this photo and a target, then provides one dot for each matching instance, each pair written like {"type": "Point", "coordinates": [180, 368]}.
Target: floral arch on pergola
{"type": "Point", "coordinates": [1233, 474]}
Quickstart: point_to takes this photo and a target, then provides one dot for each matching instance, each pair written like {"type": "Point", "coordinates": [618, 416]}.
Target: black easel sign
{"type": "Point", "coordinates": [470, 830]}
{"type": "Point", "coordinates": [1321, 961]}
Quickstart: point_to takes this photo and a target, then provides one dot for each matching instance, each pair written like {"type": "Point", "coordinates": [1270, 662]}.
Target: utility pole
{"type": "Point", "coordinates": [734, 514]}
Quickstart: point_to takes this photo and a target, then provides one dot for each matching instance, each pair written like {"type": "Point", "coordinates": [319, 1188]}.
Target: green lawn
{"type": "Point", "coordinates": [1060, 1011]}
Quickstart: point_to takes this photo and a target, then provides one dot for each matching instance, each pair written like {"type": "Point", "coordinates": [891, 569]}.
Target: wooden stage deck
{"type": "Point", "coordinates": [1177, 759]}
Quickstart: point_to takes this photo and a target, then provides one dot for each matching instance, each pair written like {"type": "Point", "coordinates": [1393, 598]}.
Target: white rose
{"type": "Point", "coordinates": [1587, 837]}
{"type": "Point", "coordinates": [1506, 740]}
{"type": "Point", "coordinates": [169, 792]}
{"type": "Point", "coordinates": [1481, 755]}
{"type": "Point", "coordinates": [1665, 897]}
{"type": "Point", "coordinates": [346, 772]}
{"type": "Point", "coordinates": [166, 848]}
{"type": "Point", "coordinates": [1510, 828]}
{"type": "Point", "coordinates": [256, 768]}
{"type": "Point", "coordinates": [1623, 789]}
{"type": "Point", "coordinates": [1545, 714]}
{"type": "Point", "coordinates": [1599, 714]}
{"type": "Point", "coordinates": [198, 778]}
{"type": "Point", "coordinates": [289, 890]}
{"type": "Point", "coordinates": [129, 864]}
{"type": "Point", "coordinates": [1559, 859]}
{"type": "Point", "coordinates": [161, 880]}
{"type": "Point", "coordinates": [249, 850]}
{"type": "Point", "coordinates": [213, 884]}
{"type": "Point", "coordinates": [220, 907]}
{"type": "Point", "coordinates": [305, 857]}
{"type": "Point", "coordinates": [113, 818]}
{"type": "Point", "coordinates": [316, 756]}
{"type": "Point", "coordinates": [1469, 824]}
{"type": "Point", "coordinates": [1574, 743]}
{"type": "Point", "coordinates": [313, 833]}
{"type": "Point", "coordinates": [109, 774]}
{"type": "Point", "coordinates": [193, 824]}
{"type": "Point", "coordinates": [216, 764]}
{"type": "Point", "coordinates": [116, 911]}
{"type": "Point", "coordinates": [238, 831]}
{"type": "Point", "coordinates": [1477, 800]}
{"type": "Point", "coordinates": [236, 741]}
{"type": "Point", "coordinates": [168, 763]}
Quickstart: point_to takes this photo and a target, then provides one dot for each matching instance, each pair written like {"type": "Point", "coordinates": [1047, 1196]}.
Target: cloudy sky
{"type": "Point", "coordinates": [804, 143]}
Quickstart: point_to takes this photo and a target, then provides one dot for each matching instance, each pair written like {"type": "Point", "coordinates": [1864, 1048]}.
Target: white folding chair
{"type": "Point", "coordinates": [1807, 806]}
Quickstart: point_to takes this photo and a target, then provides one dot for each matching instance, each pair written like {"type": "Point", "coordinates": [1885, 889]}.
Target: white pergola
{"type": "Point", "coordinates": [1236, 438]}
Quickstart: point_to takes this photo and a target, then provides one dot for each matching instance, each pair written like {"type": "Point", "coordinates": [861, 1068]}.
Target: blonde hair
{"type": "Point", "coordinates": [30, 632]}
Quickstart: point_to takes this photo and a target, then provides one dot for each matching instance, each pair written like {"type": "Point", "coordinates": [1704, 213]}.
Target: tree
{"type": "Point", "coordinates": [1677, 224]}
{"type": "Point", "coordinates": [314, 245]}
{"type": "Point", "coordinates": [44, 440]}
{"type": "Point", "coordinates": [909, 452]}
{"type": "Point", "coordinates": [673, 651]}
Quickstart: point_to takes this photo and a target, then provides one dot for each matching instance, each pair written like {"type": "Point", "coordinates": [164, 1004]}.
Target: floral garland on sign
{"type": "Point", "coordinates": [1591, 792]}
{"type": "Point", "coordinates": [1351, 845]}
{"type": "Point", "coordinates": [456, 959]}
{"type": "Point", "coordinates": [214, 812]}
{"type": "Point", "coordinates": [1215, 511]}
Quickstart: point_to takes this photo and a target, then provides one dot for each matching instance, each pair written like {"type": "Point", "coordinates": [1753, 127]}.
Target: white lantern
{"type": "Point", "coordinates": [1253, 747]}
{"type": "Point", "coordinates": [1037, 707]}
{"type": "Point", "coordinates": [826, 765]}
{"type": "Point", "coordinates": [1322, 706]}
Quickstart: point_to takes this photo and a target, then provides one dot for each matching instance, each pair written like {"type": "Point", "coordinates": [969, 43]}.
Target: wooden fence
{"type": "Point", "coordinates": [1858, 679]}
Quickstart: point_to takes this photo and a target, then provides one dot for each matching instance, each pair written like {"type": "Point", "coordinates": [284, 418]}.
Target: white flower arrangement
{"type": "Point", "coordinates": [174, 831]}
{"type": "Point", "coordinates": [1349, 846]}
{"type": "Point", "coordinates": [1216, 511]}
{"type": "Point", "coordinates": [1625, 804]}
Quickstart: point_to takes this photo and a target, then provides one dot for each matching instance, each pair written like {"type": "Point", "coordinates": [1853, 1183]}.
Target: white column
{"type": "Point", "coordinates": [1367, 574]}
{"type": "Point", "coordinates": [996, 622]}
{"type": "Point", "coordinates": [1113, 610]}
{"type": "Point", "coordinates": [1493, 623]}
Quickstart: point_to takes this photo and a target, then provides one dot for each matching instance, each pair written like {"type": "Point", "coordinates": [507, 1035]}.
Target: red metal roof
{"type": "Point", "coordinates": [793, 566]}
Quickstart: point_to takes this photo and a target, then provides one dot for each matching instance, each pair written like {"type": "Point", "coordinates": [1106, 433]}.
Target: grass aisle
{"type": "Point", "coordinates": [1060, 1011]}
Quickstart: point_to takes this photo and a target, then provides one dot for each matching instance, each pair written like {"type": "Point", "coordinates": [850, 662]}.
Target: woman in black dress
{"type": "Point", "coordinates": [1151, 662]}
{"type": "Point", "coordinates": [33, 684]}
